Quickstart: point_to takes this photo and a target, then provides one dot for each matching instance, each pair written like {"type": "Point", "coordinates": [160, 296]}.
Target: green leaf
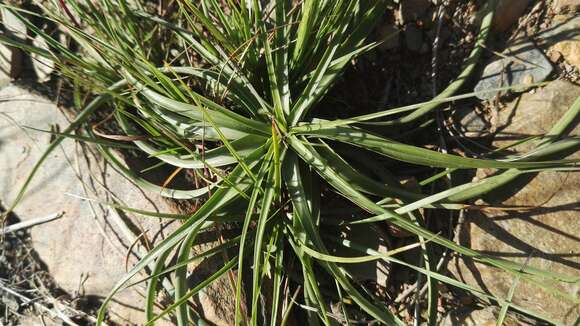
{"type": "Point", "coordinates": [447, 280]}
{"type": "Point", "coordinates": [220, 198]}
{"type": "Point", "coordinates": [417, 155]}
{"type": "Point", "coordinates": [296, 192]}
{"type": "Point", "coordinates": [317, 163]}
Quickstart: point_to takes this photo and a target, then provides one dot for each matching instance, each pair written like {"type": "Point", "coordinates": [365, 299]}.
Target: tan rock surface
{"type": "Point", "coordinates": [84, 251]}
{"type": "Point", "coordinates": [545, 237]}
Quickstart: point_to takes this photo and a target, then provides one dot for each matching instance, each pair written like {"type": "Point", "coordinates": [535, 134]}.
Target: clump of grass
{"type": "Point", "coordinates": [244, 79]}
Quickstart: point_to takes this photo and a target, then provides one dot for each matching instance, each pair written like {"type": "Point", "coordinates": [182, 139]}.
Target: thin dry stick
{"type": "Point", "coordinates": [30, 223]}
{"type": "Point", "coordinates": [37, 305]}
{"type": "Point", "coordinates": [405, 294]}
{"type": "Point", "coordinates": [60, 307]}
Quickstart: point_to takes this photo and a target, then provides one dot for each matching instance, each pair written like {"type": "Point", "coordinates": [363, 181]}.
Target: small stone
{"type": "Point", "coordinates": [412, 10]}
{"type": "Point", "coordinates": [472, 20]}
{"type": "Point", "coordinates": [555, 56]}
{"type": "Point", "coordinates": [518, 66]}
{"type": "Point", "coordinates": [562, 28]}
{"type": "Point", "coordinates": [528, 79]}
{"type": "Point", "coordinates": [413, 38]}
{"type": "Point", "coordinates": [390, 35]}
{"type": "Point", "coordinates": [507, 13]}
{"type": "Point", "coordinates": [570, 50]}
{"type": "Point", "coordinates": [473, 125]}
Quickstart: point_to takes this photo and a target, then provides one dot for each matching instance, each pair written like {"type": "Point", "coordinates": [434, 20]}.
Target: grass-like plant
{"type": "Point", "coordinates": [230, 89]}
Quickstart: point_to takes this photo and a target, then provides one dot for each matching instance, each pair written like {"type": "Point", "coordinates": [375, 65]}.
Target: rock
{"type": "Point", "coordinates": [520, 65]}
{"type": "Point", "coordinates": [390, 35]}
{"type": "Point", "coordinates": [31, 320]}
{"type": "Point", "coordinates": [507, 13]}
{"type": "Point", "coordinates": [564, 38]}
{"type": "Point", "coordinates": [566, 6]}
{"type": "Point", "coordinates": [12, 24]}
{"type": "Point", "coordinates": [74, 248]}
{"type": "Point", "coordinates": [474, 317]}
{"type": "Point", "coordinates": [472, 124]}
{"type": "Point", "coordinates": [413, 38]}
{"type": "Point", "coordinates": [83, 252]}
{"type": "Point", "coordinates": [11, 59]}
{"type": "Point", "coordinates": [43, 67]}
{"type": "Point", "coordinates": [535, 114]}
{"type": "Point", "coordinates": [545, 237]}
{"type": "Point", "coordinates": [412, 10]}
{"type": "Point", "coordinates": [570, 50]}
{"type": "Point", "coordinates": [555, 56]}
{"type": "Point", "coordinates": [563, 28]}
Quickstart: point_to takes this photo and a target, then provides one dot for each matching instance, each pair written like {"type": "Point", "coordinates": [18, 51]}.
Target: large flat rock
{"type": "Point", "coordinates": [547, 235]}
{"type": "Point", "coordinates": [85, 249]}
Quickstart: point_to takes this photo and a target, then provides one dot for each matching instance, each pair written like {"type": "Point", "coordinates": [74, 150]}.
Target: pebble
{"type": "Point", "coordinates": [555, 56]}
{"type": "Point", "coordinates": [12, 24]}
{"type": "Point", "coordinates": [473, 125]}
